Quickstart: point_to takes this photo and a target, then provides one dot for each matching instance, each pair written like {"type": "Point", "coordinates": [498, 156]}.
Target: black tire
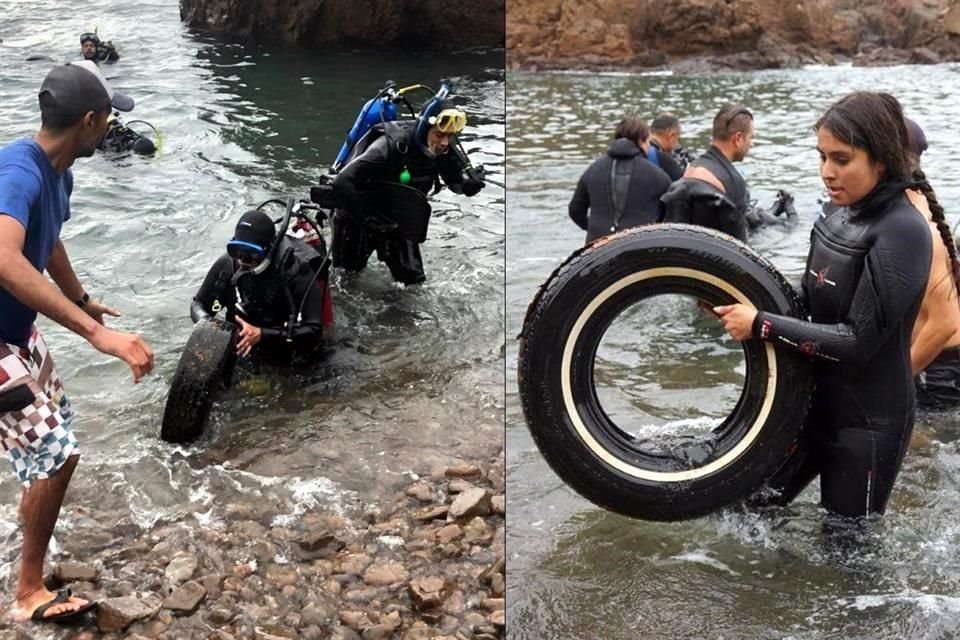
{"type": "Point", "coordinates": [564, 326]}
{"type": "Point", "coordinates": [205, 368]}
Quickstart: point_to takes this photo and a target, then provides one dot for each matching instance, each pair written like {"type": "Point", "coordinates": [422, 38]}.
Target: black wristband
{"type": "Point", "coordinates": [82, 302]}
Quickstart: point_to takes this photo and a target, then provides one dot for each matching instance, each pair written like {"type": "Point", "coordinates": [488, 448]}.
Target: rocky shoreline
{"type": "Point", "coordinates": [426, 563]}
{"type": "Point", "coordinates": [700, 36]}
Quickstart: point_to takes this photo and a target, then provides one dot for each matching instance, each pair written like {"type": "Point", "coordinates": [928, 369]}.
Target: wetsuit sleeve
{"type": "Point", "coordinates": [369, 166]}
{"type": "Point", "coordinates": [309, 330]}
{"type": "Point", "coordinates": [215, 288]}
{"type": "Point", "coordinates": [580, 203]}
{"type": "Point", "coordinates": [894, 278]}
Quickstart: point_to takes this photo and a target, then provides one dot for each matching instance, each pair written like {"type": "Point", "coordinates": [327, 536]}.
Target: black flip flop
{"type": "Point", "coordinates": [63, 595]}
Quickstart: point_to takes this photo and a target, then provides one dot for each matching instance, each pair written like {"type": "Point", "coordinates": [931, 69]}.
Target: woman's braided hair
{"type": "Point", "coordinates": [938, 218]}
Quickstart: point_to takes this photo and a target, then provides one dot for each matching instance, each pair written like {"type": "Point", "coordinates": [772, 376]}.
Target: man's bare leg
{"type": "Point", "coordinates": [39, 509]}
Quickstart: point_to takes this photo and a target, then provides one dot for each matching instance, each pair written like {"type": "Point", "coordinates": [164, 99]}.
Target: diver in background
{"type": "Point", "coordinates": [92, 48]}
{"type": "Point", "coordinates": [416, 153]}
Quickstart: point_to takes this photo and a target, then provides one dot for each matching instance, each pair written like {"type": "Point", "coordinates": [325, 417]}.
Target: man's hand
{"type": "Point", "coordinates": [248, 337]}
{"type": "Point", "coordinates": [129, 347]}
{"type": "Point", "coordinates": [473, 180]}
{"type": "Point", "coordinates": [737, 319]}
{"type": "Point", "coordinates": [97, 310]}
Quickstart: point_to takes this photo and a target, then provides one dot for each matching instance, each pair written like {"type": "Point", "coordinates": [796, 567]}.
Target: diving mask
{"type": "Point", "coordinates": [449, 121]}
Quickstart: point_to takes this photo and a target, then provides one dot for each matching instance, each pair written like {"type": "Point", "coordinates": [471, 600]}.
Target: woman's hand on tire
{"type": "Point", "coordinates": [737, 319]}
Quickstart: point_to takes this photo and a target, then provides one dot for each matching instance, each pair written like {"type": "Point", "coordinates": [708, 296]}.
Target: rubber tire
{"type": "Point", "coordinates": [205, 368]}
{"type": "Point", "coordinates": [648, 486]}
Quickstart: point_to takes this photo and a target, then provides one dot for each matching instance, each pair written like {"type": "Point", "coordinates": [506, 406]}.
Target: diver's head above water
{"type": "Point", "coordinates": [88, 45]}
{"type": "Point", "coordinates": [438, 123]}
{"type": "Point", "coordinates": [252, 239]}
{"type": "Point", "coordinates": [863, 143]}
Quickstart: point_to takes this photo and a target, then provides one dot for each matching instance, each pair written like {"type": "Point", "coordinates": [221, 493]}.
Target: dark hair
{"type": "Point", "coordinates": [939, 218]}
{"type": "Point", "coordinates": [632, 128]}
{"type": "Point", "coordinates": [732, 118]}
{"type": "Point", "coordinates": [54, 118]}
{"type": "Point", "coordinates": [664, 123]}
{"type": "Point", "coordinates": [873, 122]}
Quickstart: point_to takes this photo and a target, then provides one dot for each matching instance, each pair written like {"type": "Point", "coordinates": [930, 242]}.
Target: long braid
{"type": "Point", "coordinates": [938, 217]}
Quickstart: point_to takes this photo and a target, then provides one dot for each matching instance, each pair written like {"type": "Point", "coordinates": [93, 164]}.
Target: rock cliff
{"type": "Point", "coordinates": [694, 35]}
{"type": "Point", "coordinates": [424, 24]}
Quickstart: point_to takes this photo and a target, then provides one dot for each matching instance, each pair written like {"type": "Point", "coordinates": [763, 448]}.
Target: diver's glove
{"type": "Point", "coordinates": [783, 205]}
{"type": "Point", "coordinates": [473, 180]}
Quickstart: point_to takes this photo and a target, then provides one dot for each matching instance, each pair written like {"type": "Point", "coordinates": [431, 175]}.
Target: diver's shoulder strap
{"type": "Point", "coordinates": [619, 185]}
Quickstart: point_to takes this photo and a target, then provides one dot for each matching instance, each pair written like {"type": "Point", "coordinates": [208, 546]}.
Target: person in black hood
{"type": "Point", "coordinates": [276, 296]}
{"type": "Point", "coordinates": [863, 286]}
{"type": "Point", "coordinates": [414, 153]}
{"type": "Point", "coordinates": [623, 188]}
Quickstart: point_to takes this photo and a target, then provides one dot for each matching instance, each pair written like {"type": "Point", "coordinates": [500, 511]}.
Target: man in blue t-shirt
{"type": "Point", "coordinates": [35, 416]}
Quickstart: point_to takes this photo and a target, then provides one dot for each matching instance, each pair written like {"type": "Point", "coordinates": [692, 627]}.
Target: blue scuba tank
{"type": "Point", "coordinates": [375, 110]}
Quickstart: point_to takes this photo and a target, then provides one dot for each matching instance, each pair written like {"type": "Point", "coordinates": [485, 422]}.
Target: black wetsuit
{"type": "Point", "coordinates": [735, 187]}
{"type": "Point", "coordinates": [264, 301]}
{"type": "Point", "coordinates": [621, 190]}
{"type": "Point", "coordinates": [938, 386]}
{"type": "Point", "coordinates": [864, 282]}
{"type": "Point", "coordinates": [695, 201]}
{"type": "Point", "coordinates": [667, 162]}
{"type": "Point", "coordinates": [386, 157]}
{"type": "Point", "coordinates": [120, 138]}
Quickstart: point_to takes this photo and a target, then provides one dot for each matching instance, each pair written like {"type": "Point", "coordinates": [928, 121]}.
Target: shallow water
{"type": "Point", "coordinates": [576, 571]}
{"type": "Point", "coordinates": [416, 379]}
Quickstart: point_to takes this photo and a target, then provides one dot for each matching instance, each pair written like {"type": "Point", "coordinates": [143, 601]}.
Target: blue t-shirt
{"type": "Point", "coordinates": [33, 193]}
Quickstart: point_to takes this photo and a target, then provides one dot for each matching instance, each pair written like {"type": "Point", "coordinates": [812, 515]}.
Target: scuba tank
{"type": "Point", "coordinates": [379, 109]}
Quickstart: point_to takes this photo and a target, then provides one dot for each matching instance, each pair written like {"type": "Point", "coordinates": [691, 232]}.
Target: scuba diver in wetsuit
{"type": "Point", "coordinates": [863, 286]}
{"type": "Point", "coordinates": [92, 48]}
{"type": "Point", "coordinates": [275, 292]}
{"type": "Point", "coordinates": [417, 153]}
{"type": "Point", "coordinates": [712, 193]}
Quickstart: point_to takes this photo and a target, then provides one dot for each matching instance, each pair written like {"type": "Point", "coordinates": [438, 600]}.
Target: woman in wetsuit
{"type": "Point", "coordinates": [864, 282]}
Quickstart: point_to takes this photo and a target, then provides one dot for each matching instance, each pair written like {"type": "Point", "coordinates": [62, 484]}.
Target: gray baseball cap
{"type": "Point", "coordinates": [79, 87]}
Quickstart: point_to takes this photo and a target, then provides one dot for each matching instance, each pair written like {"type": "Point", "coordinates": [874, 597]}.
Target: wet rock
{"type": "Point", "coordinates": [186, 599]}
{"type": "Point", "coordinates": [220, 615]}
{"type": "Point", "coordinates": [67, 572]}
{"type": "Point", "coordinates": [321, 543]}
{"type": "Point", "coordinates": [116, 614]}
{"type": "Point", "coordinates": [448, 533]}
{"type": "Point", "coordinates": [317, 614]}
{"type": "Point", "coordinates": [463, 471]}
{"type": "Point", "coordinates": [282, 575]}
{"type": "Point", "coordinates": [497, 585]}
{"type": "Point", "coordinates": [427, 592]}
{"type": "Point", "coordinates": [492, 604]}
{"type": "Point", "coordinates": [181, 568]}
{"type": "Point", "coordinates": [384, 628]}
{"type": "Point", "coordinates": [420, 491]}
{"type": "Point", "coordinates": [459, 486]}
{"type": "Point", "coordinates": [470, 503]}
{"type": "Point", "coordinates": [498, 505]}
{"type": "Point", "coordinates": [384, 574]}
{"type": "Point", "coordinates": [477, 531]}
{"type": "Point", "coordinates": [220, 634]}
{"type": "Point", "coordinates": [499, 618]}
{"type": "Point", "coordinates": [354, 619]}
{"type": "Point", "coordinates": [352, 564]}
{"type": "Point", "coordinates": [212, 585]}
{"type": "Point", "coordinates": [431, 513]}
{"type": "Point", "coordinates": [273, 632]}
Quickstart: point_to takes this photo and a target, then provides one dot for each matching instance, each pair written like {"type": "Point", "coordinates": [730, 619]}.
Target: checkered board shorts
{"type": "Point", "coordinates": [38, 439]}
